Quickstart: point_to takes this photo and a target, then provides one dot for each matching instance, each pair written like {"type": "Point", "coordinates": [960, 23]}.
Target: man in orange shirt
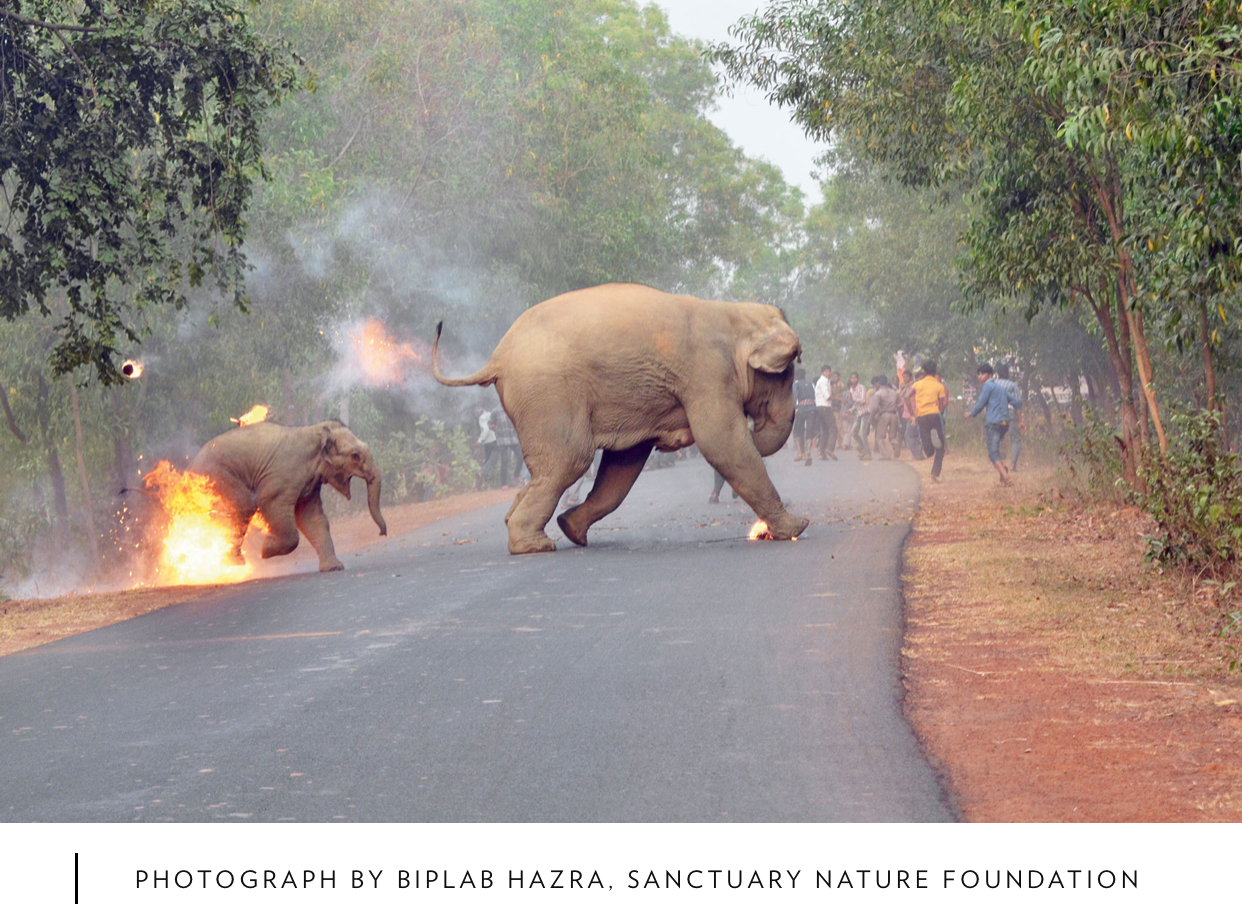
{"type": "Point", "coordinates": [930, 398]}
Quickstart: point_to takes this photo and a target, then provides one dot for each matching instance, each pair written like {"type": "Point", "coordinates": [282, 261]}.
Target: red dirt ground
{"type": "Point", "coordinates": [1050, 674]}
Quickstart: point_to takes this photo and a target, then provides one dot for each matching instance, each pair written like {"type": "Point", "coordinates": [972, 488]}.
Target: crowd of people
{"type": "Point", "coordinates": [885, 417]}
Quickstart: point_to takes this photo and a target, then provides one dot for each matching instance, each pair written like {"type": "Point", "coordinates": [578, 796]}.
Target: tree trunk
{"type": "Point", "coordinates": [1209, 370]}
{"type": "Point", "coordinates": [1122, 379]}
{"type": "Point", "coordinates": [88, 502]}
{"type": "Point", "coordinates": [1075, 386]}
{"type": "Point", "coordinates": [124, 467]}
{"type": "Point", "coordinates": [1047, 410]}
{"type": "Point", "coordinates": [55, 473]}
{"type": "Point", "coordinates": [8, 413]}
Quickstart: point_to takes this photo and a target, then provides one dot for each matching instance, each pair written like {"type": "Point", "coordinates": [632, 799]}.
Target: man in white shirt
{"type": "Point", "coordinates": [487, 439]}
{"type": "Point", "coordinates": [827, 415]}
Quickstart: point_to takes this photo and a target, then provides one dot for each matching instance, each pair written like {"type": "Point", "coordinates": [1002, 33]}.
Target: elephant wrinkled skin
{"type": "Point", "coordinates": [627, 368]}
{"type": "Point", "coordinates": [278, 471]}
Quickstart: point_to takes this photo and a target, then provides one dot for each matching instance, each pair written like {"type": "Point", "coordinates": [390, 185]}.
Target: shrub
{"type": "Point", "coordinates": [1093, 459]}
{"type": "Point", "coordinates": [1195, 496]}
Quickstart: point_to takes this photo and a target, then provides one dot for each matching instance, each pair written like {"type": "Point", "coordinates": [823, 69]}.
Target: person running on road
{"type": "Point", "coordinates": [805, 419]}
{"type": "Point", "coordinates": [996, 400]}
{"type": "Point", "coordinates": [885, 407]}
{"type": "Point", "coordinates": [930, 398]}
{"type": "Point", "coordinates": [1015, 428]}
{"type": "Point", "coordinates": [857, 406]}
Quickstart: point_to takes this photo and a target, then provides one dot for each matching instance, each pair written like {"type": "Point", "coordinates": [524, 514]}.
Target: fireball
{"type": "Point", "coordinates": [132, 368]}
{"type": "Point", "coordinates": [198, 545]}
{"type": "Point", "coordinates": [377, 357]}
{"type": "Point", "coordinates": [256, 414]}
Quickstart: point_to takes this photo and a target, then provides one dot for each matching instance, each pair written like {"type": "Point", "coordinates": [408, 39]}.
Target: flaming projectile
{"type": "Point", "coordinates": [256, 414]}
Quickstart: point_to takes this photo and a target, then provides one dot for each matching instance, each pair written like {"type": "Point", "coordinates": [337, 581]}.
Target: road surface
{"type": "Point", "coordinates": [672, 671]}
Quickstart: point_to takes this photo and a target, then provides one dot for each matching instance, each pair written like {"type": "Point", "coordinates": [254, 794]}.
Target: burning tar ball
{"type": "Point", "coordinates": [131, 368]}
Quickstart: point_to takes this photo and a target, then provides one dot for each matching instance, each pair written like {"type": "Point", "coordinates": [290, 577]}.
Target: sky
{"type": "Point", "coordinates": [761, 129]}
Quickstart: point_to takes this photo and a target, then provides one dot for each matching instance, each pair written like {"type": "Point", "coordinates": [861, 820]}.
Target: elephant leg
{"type": "Point", "coordinates": [550, 475]}
{"type": "Point", "coordinates": [617, 473]}
{"type": "Point", "coordinates": [516, 501]}
{"type": "Point", "coordinates": [236, 506]}
{"type": "Point", "coordinates": [720, 429]}
{"type": "Point", "coordinates": [313, 522]}
{"type": "Point", "coordinates": [282, 530]}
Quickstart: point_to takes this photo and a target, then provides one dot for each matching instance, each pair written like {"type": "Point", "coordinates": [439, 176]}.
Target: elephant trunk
{"type": "Point", "coordinates": [373, 498]}
{"type": "Point", "coordinates": [773, 423]}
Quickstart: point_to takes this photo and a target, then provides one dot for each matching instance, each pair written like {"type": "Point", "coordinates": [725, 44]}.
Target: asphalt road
{"type": "Point", "coordinates": [672, 671]}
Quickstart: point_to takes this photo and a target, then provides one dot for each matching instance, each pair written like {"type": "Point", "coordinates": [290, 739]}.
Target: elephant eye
{"type": "Point", "coordinates": [357, 456]}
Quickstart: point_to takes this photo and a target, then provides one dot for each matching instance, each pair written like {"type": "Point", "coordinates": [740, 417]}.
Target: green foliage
{"type": "Point", "coordinates": [129, 145]}
{"type": "Point", "coordinates": [1195, 496]}
{"type": "Point", "coordinates": [1093, 460]}
{"type": "Point", "coordinates": [429, 462]}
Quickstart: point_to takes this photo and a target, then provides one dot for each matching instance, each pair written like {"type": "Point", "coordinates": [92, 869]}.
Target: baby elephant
{"type": "Point", "coordinates": [277, 471]}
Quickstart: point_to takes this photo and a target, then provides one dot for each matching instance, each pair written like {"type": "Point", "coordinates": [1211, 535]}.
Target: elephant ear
{"type": "Point", "coordinates": [334, 473]}
{"type": "Point", "coordinates": [774, 349]}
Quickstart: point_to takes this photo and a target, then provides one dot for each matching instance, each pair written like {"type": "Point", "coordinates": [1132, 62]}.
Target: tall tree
{"type": "Point", "coordinates": [129, 145]}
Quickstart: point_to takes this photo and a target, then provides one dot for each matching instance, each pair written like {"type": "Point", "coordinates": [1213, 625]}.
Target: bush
{"type": "Point", "coordinates": [21, 526]}
{"type": "Point", "coordinates": [429, 462]}
{"type": "Point", "coordinates": [1093, 459]}
{"type": "Point", "coordinates": [1195, 495]}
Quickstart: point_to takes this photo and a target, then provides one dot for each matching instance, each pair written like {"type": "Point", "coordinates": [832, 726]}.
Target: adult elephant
{"type": "Point", "coordinates": [626, 368]}
{"type": "Point", "coordinates": [278, 471]}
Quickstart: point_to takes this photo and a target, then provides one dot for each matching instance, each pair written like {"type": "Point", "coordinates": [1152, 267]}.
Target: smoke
{"type": "Point", "coordinates": [400, 283]}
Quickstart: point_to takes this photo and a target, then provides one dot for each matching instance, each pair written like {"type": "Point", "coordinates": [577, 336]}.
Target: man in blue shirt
{"type": "Point", "coordinates": [996, 401]}
{"type": "Point", "coordinates": [1015, 431]}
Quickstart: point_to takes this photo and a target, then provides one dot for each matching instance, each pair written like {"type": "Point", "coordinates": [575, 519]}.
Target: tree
{"type": "Point", "coordinates": [129, 147]}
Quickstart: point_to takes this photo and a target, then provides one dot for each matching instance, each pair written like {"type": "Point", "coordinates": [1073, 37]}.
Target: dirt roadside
{"type": "Point", "coordinates": [1050, 674]}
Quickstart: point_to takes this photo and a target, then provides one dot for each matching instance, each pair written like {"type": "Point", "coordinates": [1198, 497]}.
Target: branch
{"type": "Point", "coordinates": [53, 26]}
{"type": "Point", "coordinates": [56, 29]}
{"type": "Point", "coordinates": [8, 412]}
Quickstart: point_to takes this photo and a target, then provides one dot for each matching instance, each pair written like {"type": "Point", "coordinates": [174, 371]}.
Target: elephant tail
{"type": "Point", "coordinates": [485, 376]}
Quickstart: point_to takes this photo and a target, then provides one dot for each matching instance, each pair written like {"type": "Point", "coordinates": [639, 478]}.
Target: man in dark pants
{"type": "Point", "coordinates": [826, 413]}
{"type": "Point", "coordinates": [507, 445]}
{"type": "Point", "coordinates": [805, 422]}
{"type": "Point", "coordinates": [930, 398]}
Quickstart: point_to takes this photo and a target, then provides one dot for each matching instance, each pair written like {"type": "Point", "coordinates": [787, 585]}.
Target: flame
{"type": "Point", "coordinates": [132, 368]}
{"type": "Point", "coordinates": [759, 532]}
{"type": "Point", "coordinates": [375, 358]}
{"type": "Point", "coordinates": [198, 544]}
{"type": "Point", "coordinates": [256, 414]}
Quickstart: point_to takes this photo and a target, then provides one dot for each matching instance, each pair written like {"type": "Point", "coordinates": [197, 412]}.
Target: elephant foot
{"type": "Point", "coordinates": [330, 565]}
{"type": "Point", "coordinates": [539, 543]}
{"type": "Point", "coordinates": [576, 533]}
{"type": "Point", "coordinates": [235, 558]}
{"type": "Point", "coordinates": [789, 527]}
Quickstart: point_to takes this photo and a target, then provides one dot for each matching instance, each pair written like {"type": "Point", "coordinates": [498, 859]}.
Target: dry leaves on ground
{"type": "Point", "coordinates": [1050, 674]}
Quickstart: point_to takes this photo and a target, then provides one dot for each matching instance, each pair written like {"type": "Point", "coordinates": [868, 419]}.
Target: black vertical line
{"type": "Point", "coordinates": [75, 879]}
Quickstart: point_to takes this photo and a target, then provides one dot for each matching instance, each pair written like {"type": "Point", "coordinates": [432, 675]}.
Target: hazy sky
{"type": "Point", "coordinates": [763, 131]}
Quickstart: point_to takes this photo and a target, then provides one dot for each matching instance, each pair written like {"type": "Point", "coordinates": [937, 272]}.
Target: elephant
{"type": "Point", "coordinates": [277, 471]}
{"type": "Point", "coordinates": [626, 368]}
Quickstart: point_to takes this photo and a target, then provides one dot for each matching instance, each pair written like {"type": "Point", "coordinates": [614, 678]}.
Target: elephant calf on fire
{"type": "Point", "coordinates": [626, 368]}
{"type": "Point", "coordinates": [277, 471]}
